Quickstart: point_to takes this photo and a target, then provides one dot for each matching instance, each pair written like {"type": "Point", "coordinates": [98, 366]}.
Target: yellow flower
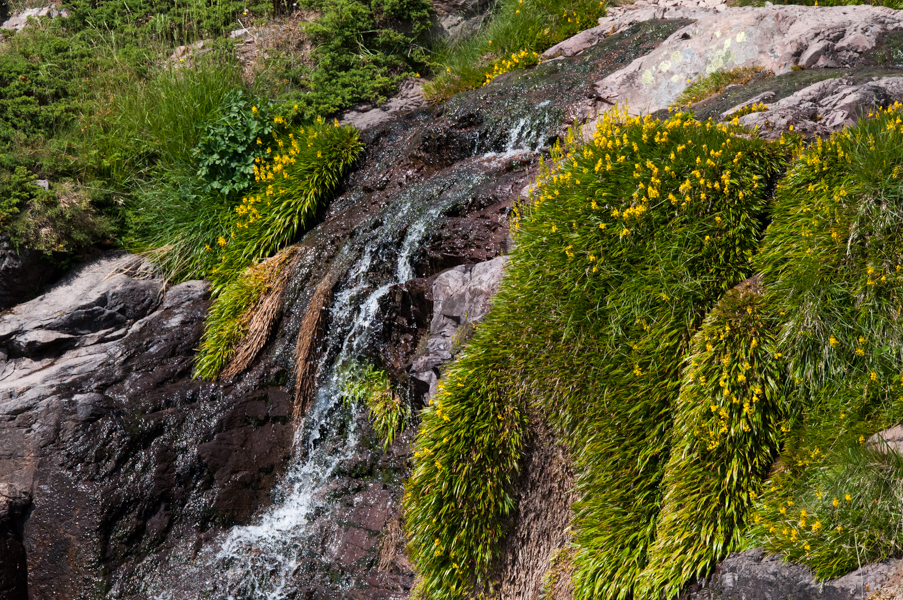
{"type": "Point", "coordinates": [848, 498]}
{"type": "Point", "coordinates": [221, 241]}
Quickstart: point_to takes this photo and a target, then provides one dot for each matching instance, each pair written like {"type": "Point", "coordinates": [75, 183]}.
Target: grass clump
{"type": "Point", "coordinates": [372, 387]}
{"type": "Point", "coordinates": [832, 262]}
{"type": "Point", "coordinates": [727, 422]}
{"type": "Point", "coordinates": [844, 513]}
{"type": "Point", "coordinates": [229, 318]}
{"type": "Point", "coordinates": [630, 239]}
{"type": "Point", "coordinates": [297, 172]}
{"type": "Point", "coordinates": [715, 83]}
{"type": "Point", "coordinates": [517, 32]}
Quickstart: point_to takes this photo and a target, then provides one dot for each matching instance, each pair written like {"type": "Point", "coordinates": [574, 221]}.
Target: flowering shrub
{"type": "Point", "coordinates": [628, 242]}
{"type": "Point", "coordinates": [293, 176]}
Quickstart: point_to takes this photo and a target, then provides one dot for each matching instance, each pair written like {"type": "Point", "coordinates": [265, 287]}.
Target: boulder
{"type": "Point", "coordinates": [753, 575]}
{"type": "Point", "coordinates": [409, 97]}
{"type": "Point", "coordinates": [824, 107]}
{"type": "Point", "coordinates": [106, 437]}
{"type": "Point", "coordinates": [775, 38]}
{"type": "Point", "coordinates": [19, 20]}
{"type": "Point", "coordinates": [888, 440]}
{"type": "Point", "coordinates": [461, 299]}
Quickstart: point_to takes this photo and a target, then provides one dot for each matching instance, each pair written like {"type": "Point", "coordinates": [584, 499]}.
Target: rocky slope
{"type": "Point", "coordinates": [123, 477]}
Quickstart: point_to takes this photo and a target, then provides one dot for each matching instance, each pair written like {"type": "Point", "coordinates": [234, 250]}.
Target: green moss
{"type": "Point", "coordinates": [629, 241]}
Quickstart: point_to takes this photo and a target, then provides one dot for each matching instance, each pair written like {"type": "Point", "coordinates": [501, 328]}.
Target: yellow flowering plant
{"type": "Point", "coordinates": [629, 239]}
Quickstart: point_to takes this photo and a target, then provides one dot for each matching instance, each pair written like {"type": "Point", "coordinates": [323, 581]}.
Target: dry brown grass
{"type": "Point", "coordinates": [313, 327]}
{"type": "Point", "coordinates": [264, 315]}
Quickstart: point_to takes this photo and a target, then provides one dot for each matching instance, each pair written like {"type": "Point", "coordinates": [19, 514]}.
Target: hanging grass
{"type": "Point", "coordinates": [726, 435]}
{"type": "Point", "coordinates": [372, 387]}
{"type": "Point", "coordinates": [230, 315]}
{"type": "Point", "coordinates": [628, 242]}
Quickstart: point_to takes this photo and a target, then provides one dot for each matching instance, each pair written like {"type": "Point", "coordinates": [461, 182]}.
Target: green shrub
{"type": "Point", "coordinates": [726, 435]}
{"type": "Point", "coordinates": [362, 50]}
{"type": "Point", "coordinates": [514, 27]}
{"type": "Point", "coordinates": [372, 386]}
{"type": "Point", "coordinates": [228, 146]}
{"type": "Point", "coordinates": [630, 239]}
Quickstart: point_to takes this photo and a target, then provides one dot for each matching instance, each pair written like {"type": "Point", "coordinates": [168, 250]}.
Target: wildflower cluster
{"type": "Point", "coordinates": [749, 109]}
{"type": "Point", "coordinates": [517, 60]}
{"type": "Point", "coordinates": [629, 240]}
{"type": "Point", "coordinates": [847, 514]}
{"type": "Point", "coordinates": [293, 176]}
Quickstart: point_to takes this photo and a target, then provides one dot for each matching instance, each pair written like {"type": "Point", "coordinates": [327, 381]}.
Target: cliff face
{"type": "Point", "coordinates": [123, 477]}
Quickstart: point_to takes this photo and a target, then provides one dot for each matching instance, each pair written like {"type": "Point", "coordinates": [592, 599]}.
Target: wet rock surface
{"type": "Point", "coordinates": [23, 275]}
{"type": "Point", "coordinates": [752, 575]}
{"type": "Point", "coordinates": [461, 299]}
{"type": "Point", "coordinates": [102, 428]}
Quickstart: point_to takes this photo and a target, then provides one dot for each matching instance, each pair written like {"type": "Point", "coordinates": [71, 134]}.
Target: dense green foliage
{"type": "Point", "coordinates": [362, 50]}
{"type": "Point", "coordinates": [372, 387]}
{"type": "Point", "coordinates": [629, 242]}
{"type": "Point", "coordinates": [832, 263]}
{"type": "Point", "coordinates": [727, 422]}
{"type": "Point", "coordinates": [517, 30]}
{"type": "Point", "coordinates": [691, 436]}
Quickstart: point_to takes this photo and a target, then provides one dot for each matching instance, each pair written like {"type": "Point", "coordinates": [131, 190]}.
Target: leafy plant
{"type": "Point", "coordinates": [372, 387]}
{"type": "Point", "coordinates": [229, 145]}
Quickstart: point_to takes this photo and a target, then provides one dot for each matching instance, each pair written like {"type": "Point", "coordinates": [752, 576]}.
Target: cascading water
{"type": "Point", "coordinates": [265, 559]}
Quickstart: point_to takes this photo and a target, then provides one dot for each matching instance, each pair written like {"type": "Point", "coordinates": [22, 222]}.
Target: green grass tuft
{"type": "Point", "coordinates": [515, 31]}
{"type": "Point", "coordinates": [229, 317]}
{"type": "Point", "coordinates": [715, 83]}
{"type": "Point", "coordinates": [372, 386]}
